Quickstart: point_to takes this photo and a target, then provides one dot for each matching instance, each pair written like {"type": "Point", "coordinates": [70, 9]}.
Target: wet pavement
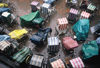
{"type": "Point", "coordinates": [23, 7]}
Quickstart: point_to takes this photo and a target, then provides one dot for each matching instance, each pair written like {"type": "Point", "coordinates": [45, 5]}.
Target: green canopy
{"type": "Point", "coordinates": [81, 28]}
{"type": "Point", "coordinates": [90, 49]}
{"type": "Point", "coordinates": [27, 19]}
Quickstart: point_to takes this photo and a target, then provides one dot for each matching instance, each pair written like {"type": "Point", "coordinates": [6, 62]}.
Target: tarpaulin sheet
{"type": "Point", "coordinates": [81, 29]}
{"type": "Point", "coordinates": [90, 49]}
{"type": "Point", "coordinates": [27, 19]}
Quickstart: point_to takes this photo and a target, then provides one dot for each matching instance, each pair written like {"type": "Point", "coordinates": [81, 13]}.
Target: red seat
{"type": "Point", "coordinates": [69, 43]}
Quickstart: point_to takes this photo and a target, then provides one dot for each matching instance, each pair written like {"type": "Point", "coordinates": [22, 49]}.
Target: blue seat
{"type": "Point", "coordinates": [4, 10]}
{"type": "Point", "coordinates": [40, 36]}
{"type": "Point", "coordinates": [4, 37]}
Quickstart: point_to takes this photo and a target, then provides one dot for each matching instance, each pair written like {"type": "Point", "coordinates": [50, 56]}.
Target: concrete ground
{"type": "Point", "coordinates": [23, 7]}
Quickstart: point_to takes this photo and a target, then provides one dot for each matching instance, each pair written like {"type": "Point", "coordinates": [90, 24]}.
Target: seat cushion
{"type": "Point", "coordinates": [36, 39]}
{"type": "Point", "coordinates": [69, 43]}
{"type": "Point", "coordinates": [4, 9]}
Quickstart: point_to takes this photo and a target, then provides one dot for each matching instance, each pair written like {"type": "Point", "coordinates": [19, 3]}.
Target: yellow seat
{"type": "Point", "coordinates": [18, 34]}
{"type": "Point", "coordinates": [3, 5]}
